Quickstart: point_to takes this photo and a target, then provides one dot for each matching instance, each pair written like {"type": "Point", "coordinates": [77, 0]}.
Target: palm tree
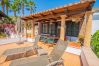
{"type": "Point", "coordinates": [2, 4]}
{"type": "Point", "coordinates": [5, 4]}
{"type": "Point", "coordinates": [31, 6]}
{"type": "Point", "coordinates": [15, 6]}
{"type": "Point", "coordinates": [23, 3]}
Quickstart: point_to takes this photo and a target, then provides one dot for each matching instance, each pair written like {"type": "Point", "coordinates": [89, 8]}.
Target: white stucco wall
{"type": "Point", "coordinates": [95, 22]}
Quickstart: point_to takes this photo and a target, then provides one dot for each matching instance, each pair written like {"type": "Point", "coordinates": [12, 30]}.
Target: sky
{"type": "Point", "coordinates": [48, 4]}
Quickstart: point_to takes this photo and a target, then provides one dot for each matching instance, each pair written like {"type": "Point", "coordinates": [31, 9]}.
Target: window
{"type": "Point", "coordinates": [72, 29]}
{"type": "Point", "coordinates": [44, 28]}
{"type": "Point", "coordinates": [53, 29]}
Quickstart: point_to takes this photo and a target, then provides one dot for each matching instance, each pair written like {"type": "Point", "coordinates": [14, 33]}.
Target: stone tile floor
{"type": "Point", "coordinates": [69, 59]}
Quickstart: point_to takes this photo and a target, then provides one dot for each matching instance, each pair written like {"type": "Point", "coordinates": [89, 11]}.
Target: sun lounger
{"type": "Point", "coordinates": [44, 60]}
{"type": "Point", "coordinates": [38, 49]}
{"type": "Point", "coordinates": [43, 39]}
{"type": "Point", "coordinates": [50, 40]}
{"type": "Point", "coordinates": [16, 53]}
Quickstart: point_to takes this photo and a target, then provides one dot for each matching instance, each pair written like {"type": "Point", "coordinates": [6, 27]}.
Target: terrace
{"type": "Point", "coordinates": [61, 23]}
{"type": "Point", "coordinates": [66, 23]}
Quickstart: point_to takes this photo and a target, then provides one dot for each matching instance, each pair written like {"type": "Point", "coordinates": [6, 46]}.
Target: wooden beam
{"type": "Point", "coordinates": [52, 13]}
{"type": "Point", "coordinates": [70, 7]}
{"type": "Point", "coordinates": [74, 14]}
{"type": "Point", "coordinates": [57, 15]}
{"type": "Point", "coordinates": [53, 18]}
{"type": "Point", "coordinates": [26, 30]}
{"type": "Point", "coordinates": [30, 18]}
{"type": "Point", "coordinates": [33, 28]}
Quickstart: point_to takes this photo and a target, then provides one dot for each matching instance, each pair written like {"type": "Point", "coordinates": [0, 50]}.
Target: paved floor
{"type": "Point", "coordinates": [13, 45]}
{"type": "Point", "coordinates": [5, 47]}
{"type": "Point", "coordinates": [69, 59]}
{"type": "Point", "coordinates": [10, 40]}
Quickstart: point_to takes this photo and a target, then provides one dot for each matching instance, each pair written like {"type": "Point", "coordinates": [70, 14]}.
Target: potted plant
{"type": "Point", "coordinates": [81, 39]}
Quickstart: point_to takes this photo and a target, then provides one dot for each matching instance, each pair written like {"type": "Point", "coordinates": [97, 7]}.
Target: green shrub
{"type": "Point", "coordinates": [95, 43]}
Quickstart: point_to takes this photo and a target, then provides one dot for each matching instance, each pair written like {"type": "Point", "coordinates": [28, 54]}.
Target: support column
{"type": "Point", "coordinates": [26, 29]}
{"type": "Point", "coordinates": [39, 28]}
{"type": "Point", "coordinates": [87, 38]}
{"type": "Point", "coordinates": [33, 28]}
{"type": "Point", "coordinates": [62, 29]}
{"type": "Point", "coordinates": [83, 26]}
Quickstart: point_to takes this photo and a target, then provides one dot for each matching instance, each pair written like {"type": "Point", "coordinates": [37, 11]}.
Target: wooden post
{"type": "Point", "coordinates": [88, 29]}
{"type": "Point", "coordinates": [62, 30]}
{"type": "Point", "coordinates": [33, 29]}
{"type": "Point", "coordinates": [26, 29]}
{"type": "Point", "coordinates": [39, 28]}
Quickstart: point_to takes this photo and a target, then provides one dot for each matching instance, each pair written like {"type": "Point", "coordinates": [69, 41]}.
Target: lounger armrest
{"type": "Point", "coordinates": [55, 62]}
{"type": "Point", "coordinates": [42, 52]}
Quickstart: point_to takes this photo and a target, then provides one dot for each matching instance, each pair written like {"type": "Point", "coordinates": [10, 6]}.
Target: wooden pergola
{"type": "Point", "coordinates": [78, 12]}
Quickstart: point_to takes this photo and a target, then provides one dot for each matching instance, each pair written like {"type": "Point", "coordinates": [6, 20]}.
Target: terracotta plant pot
{"type": "Point", "coordinates": [74, 44]}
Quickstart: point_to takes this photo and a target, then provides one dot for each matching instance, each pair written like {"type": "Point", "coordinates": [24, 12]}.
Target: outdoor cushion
{"type": "Point", "coordinates": [55, 63]}
{"type": "Point", "coordinates": [42, 52]}
{"type": "Point", "coordinates": [31, 61]}
{"type": "Point", "coordinates": [16, 53]}
{"type": "Point", "coordinates": [50, 40]}
{"type": "Point", "coordinates": [34, 61]}
{"type": "Point", "coordinates": [43, 38]}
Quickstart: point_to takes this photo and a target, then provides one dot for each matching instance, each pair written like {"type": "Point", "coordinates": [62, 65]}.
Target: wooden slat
{"type": "Point", "coordinates": [69, 8]}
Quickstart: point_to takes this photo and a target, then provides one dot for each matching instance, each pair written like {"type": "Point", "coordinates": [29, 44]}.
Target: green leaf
{"type": "Point", "coordinates": [95, 42]}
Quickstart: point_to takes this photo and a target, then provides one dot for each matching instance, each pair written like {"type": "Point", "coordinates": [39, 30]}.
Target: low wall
{"type": "Point", "coordinates": [88, 57]}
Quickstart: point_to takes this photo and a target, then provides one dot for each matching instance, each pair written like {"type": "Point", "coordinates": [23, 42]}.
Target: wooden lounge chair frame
{"type": "Point", "coordinates": [51, 60]}
{"type": "Point", "coordinates": [16, 53]}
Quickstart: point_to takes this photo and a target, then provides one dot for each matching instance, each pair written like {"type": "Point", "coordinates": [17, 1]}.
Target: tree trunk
{"type": "Point", "coordinates": [7, 9]}
{"type": "Point", "coordinates": [31, 10]}
{"type": "Point", "coordinates": [2, 3]}
{"type": "Point", "coordinates": [15, 13]}
{"type": "Point", "coordinates": [22, 9]}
